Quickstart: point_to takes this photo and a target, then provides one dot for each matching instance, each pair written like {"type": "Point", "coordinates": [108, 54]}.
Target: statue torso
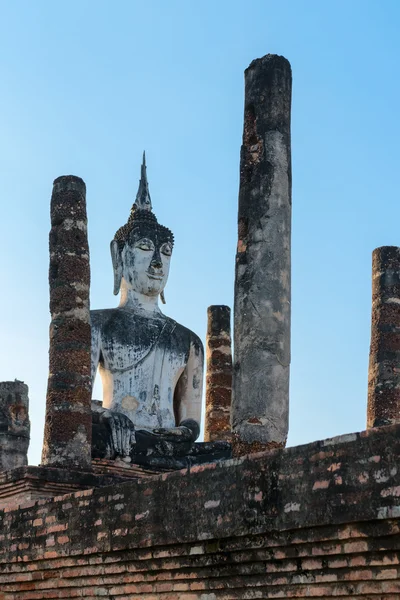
{"type": "Point", "coordinates": [141, 360]}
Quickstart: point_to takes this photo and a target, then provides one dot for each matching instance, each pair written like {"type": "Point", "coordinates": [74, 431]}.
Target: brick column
{"type": "Point", "coordinates": [14, 425]}
{"type": "Point", "coordinates": [260, 404]}
{"type": "Point", "coordinates": [219, 374]}
{"type": "Point", "coordinates": [384, 358]}
{"type": "Point", "coordinates": [68, 425]}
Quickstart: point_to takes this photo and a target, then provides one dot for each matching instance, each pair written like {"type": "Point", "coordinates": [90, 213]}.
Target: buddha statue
{"type": "Point", "coordinates": [151, 367]}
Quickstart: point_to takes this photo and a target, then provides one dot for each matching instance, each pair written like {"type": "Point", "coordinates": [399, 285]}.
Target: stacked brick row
{"type": "Point", "coordinates": [347, 562]}
{"type": "Point", "coordinates": [68, 425]}
{"type": "Point", "coordinates": [384, 361]}
{"type": "Point", "coordinates": [219, 374]}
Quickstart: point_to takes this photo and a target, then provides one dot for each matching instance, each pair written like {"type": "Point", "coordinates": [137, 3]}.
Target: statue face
{"type": "Point", "coordinates": [145, 262]}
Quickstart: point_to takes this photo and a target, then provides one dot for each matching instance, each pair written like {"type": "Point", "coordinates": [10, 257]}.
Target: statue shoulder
{"type": "Point", "coordinates": [187, 336]}
{"type": "Point", "coordinates": [101, 316]}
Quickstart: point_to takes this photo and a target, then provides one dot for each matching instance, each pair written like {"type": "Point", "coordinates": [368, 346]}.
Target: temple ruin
{"type": "Point", "coordinates": [127, 502]}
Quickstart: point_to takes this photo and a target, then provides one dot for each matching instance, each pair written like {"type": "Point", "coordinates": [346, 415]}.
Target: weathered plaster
{"type": "Point", "coordinates": [260, 406]}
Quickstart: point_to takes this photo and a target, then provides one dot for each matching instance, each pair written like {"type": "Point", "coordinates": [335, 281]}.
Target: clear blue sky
{"type": "Point", "coordinates": [87, 85]}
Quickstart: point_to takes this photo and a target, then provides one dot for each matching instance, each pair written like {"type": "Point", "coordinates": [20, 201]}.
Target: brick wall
{"type": "Point", "coordinates": [26, 484]}
{"type": "Point", "coordinates": [320, 520]}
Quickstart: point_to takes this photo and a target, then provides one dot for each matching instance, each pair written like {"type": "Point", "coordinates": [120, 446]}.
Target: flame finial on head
{"type": "Point", "coordinates": [143, 199]}
{"type": "Point", "coordinates": [141, 215]}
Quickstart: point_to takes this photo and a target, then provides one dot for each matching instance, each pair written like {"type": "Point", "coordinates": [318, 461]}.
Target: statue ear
{"type": "Point", "coordinates": [117, 265]}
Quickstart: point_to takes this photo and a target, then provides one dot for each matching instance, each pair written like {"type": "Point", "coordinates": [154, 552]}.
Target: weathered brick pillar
{"type": "Point", "coordinates": [260, 407]}
{"type": "Point", "coordinates": [219, 374]}
{"type": "Point", "coordinates": [68, 425]}
{"type": "Point", "coordinates": [384, 358]}
{"type": "Point", "coordinates": [14, 425]}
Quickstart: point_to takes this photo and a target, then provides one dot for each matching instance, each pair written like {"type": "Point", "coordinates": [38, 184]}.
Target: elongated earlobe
{"type": "Point", "coordinates": [163, 297]}
{"type": "Point", "coordinates": [117, 266]}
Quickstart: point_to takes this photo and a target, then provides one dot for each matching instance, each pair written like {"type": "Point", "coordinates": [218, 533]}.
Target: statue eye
{"type": "Point", "coordinates": [145, 245]}
{"type": "Point", "coordinates": [166, 249]}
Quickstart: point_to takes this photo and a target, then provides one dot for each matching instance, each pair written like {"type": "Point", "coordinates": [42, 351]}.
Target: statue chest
{"type": "Point", "coordinates": [140, 365]}
{"type": "Point", "coordinates": [130, 344]}
{"type": "Point", "coordinates": [142, 385]}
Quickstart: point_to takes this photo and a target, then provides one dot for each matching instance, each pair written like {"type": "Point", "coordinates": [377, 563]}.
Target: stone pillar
{"type": "Point", "coordinates": [260, 407]}
{"type": "Point", "coordinates": [68, 425]}
{"type": "Point", "coordinates": [384, 357]}
{"type": "Point", "coordinates": [14, 425]}
{"type": "Point", "coordinates": [219, 375]}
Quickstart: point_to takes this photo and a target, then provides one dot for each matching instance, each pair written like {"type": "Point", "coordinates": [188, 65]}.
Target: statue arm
{"type": "Point", "coordinates": [114, 428]}
{"type": "Point", "coordinates": [189, 389]}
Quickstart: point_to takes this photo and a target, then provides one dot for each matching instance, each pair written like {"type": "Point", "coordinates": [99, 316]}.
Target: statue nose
{"type": "Point", "coordinates": [156, 261]}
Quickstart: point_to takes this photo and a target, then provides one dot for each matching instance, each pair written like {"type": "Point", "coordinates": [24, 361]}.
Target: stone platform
{"type": "Point", "coordinates": [319, 520]}
{"type": "Point", "coordinates": [27, 484]}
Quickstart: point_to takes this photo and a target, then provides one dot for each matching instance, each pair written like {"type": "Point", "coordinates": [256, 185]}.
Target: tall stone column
{"type": "Point", "coordinates": [14, 425]}
{"type": "Point", "coordinates": [68, 425]}
{"type": "Point", "coordinates": [384, 358]}
{"type": "Point", "coordinates": [219, 374]}
{"type": "Point", "coordinates": [260, 408]}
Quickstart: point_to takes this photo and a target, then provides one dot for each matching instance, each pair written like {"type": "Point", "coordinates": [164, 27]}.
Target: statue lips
{"type": "Point", "coordinates": [158, 276]}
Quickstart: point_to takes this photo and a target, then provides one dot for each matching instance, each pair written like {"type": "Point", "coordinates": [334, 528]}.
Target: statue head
{"type": "Point", "coordinates": [141, 250]}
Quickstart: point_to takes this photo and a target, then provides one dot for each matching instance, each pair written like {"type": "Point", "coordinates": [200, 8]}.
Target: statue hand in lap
{"type": "Point", "coordinates": [173, 441]}
{"type": "Point", "coordinates": [188, 430]}
{"type": "Point", "coordinates": [118, 428]}
{"type": "Point", "coordinates": [151, 367]}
